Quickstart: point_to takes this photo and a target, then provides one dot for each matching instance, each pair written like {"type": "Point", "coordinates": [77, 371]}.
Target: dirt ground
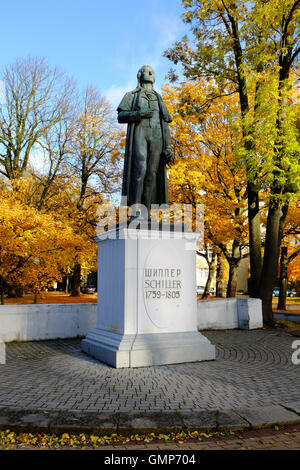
{"type": "Point", "coordinates": [275, 438]}
{"type": "Point", "coordinates": [293, 305]}
{"type": "Point", "coordinates": [52, 298]}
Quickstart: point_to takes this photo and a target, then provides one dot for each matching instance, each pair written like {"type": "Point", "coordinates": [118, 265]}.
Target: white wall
{"type": "Point", "coordinates": [290, 316]}
{"type": "Point", "coordinates": [41, 321]}
{"type": "Point", "coordinates": [217, 314]}
{"type": "Point", "coordinates": [223, 314]}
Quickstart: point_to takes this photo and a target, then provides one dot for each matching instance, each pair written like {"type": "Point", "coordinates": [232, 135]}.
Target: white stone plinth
{"type": "Point", "coordinates": [147, 303]}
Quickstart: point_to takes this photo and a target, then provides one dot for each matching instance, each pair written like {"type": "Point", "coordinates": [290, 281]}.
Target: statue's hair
{"type": "Point", "coordinates": [140, 73]}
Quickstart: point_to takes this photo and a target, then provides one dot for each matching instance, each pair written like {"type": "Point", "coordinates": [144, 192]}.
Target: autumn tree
{"type": "Point", "coordinates": [56, 147]}
{"type": "Point", "coordinates": [252, 47]}
{"type": "Point", "coordinates": [220, 274]}
{"type": "Point", "coordinates": [290, 253]}
{"type": "Point", "coordinates": [206, 169]}
{"type": "Point", "coordinates": [34, 248]}
{"type": "Point", "coordinates": [37, 98]}
{"type": "Point", "coordinates": [294, 268]}
{"type": "Point", "coordinates": [78, 140]}
{"type": "Point", "coordinates": [210, 255]}
{"type": "Point", "coordinates": [94, 164]}
{"type": "Point", "coordinates": [81, 154]}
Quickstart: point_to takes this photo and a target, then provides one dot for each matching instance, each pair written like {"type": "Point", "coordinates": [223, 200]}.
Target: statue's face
{"type": "Point", "coordinates": [147, 74]}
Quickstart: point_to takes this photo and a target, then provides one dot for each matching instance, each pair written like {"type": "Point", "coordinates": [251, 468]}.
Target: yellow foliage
{"type": "Point", "coordinates": [206, 169]}
{"type": "Point", "coordinates": [34, 248]}
{"type": "Point", "coordinates": [291, 239]}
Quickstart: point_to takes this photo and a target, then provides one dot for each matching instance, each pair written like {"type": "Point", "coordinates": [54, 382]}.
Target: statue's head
{"type": "Point", "coordinates": [146, 75]}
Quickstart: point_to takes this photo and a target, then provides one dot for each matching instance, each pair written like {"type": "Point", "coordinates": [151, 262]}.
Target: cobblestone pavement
{"type": "Point", "coordinates": [252, 369]}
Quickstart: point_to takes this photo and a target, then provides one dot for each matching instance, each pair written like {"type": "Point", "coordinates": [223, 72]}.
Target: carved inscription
{"type": "Point", "coordinates": [162, 283]}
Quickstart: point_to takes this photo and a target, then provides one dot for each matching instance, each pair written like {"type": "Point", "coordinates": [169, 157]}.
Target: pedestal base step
{"type": "Point", "coordinates": [145, 350]}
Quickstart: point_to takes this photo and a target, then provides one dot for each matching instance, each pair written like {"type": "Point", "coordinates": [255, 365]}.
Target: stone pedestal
{"type": "Point", "coordinates": [147, 304]}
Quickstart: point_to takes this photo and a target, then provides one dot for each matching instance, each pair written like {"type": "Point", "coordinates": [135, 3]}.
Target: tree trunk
{"type": "Point", "coordinates": [211, 273]}
{"type": "Point", "coordinates": [283, 278]}
{"type": "Point", "coordinates": [220, 276]}
{"type": "Point", "coordinates": [76, 281]}
{"type": "Point", "coordinates": [67, 284]}
{"type": "Point", "coordinates": [252, 191]}
{"type": "Point", "coordinates": [270, 263]}
{"type": "Point", "coordinates": [254, 241]}
{"type": "Point", "coordinates": [232, 281]}
{"type": "Point", "coordinates": [18, 292]}
{"type": "Point", "coordinates": [233, 261]}
{"type": "Point", "coordinates": [277, 210]}
{"type": "Point", "coordinates": [2, 291]}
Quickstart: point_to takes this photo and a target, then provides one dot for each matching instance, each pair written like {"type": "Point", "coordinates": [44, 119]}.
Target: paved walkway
{"type": "Point", "coordinates": [54, 385]}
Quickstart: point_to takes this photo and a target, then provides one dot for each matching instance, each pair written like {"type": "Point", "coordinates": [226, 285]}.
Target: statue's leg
{"type": "Point", "coordinates": [155, 151]}
{"type": "Point", "coordinates": [139, 164]}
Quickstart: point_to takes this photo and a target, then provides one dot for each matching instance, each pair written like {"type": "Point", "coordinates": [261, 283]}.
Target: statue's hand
{"type": "Point", "coordinates": [168, 156]}
{"type": "Point", "coordinates": [146, 114]}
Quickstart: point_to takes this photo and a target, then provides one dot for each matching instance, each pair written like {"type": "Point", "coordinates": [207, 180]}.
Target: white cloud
{"type": "Point", "coordinates": [169, 28]}
{"type": "Point", "coordinates": [166, 30]}
{"type": "Point", "coordinates": [39, 160]}
{"type": "Point", "coordinates": [115, 93]}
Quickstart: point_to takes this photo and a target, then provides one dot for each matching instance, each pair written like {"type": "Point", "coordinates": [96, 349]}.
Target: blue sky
{"type": "Point", "coordinates": [98, 42]}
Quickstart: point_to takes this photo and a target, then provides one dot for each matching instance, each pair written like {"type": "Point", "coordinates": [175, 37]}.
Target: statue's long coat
{"type": "Point", "coordinates": [128, 114]}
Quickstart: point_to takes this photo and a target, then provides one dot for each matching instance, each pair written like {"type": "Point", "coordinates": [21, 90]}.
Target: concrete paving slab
{"type": "Point", "coordinates": [268, 416]}
{"type": "Point", "coordinates": [148, 422]}
{"type": "Point", "coordinates": [199, 420]}
{"type": "Point", "coordinates": [83, 421]}
{"type": "Point", "coordinates": [25, 420]}
{"type": "Point", "coordinates": [293, 406]}
{"type": "Point", "coordinates": [229, 419]}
